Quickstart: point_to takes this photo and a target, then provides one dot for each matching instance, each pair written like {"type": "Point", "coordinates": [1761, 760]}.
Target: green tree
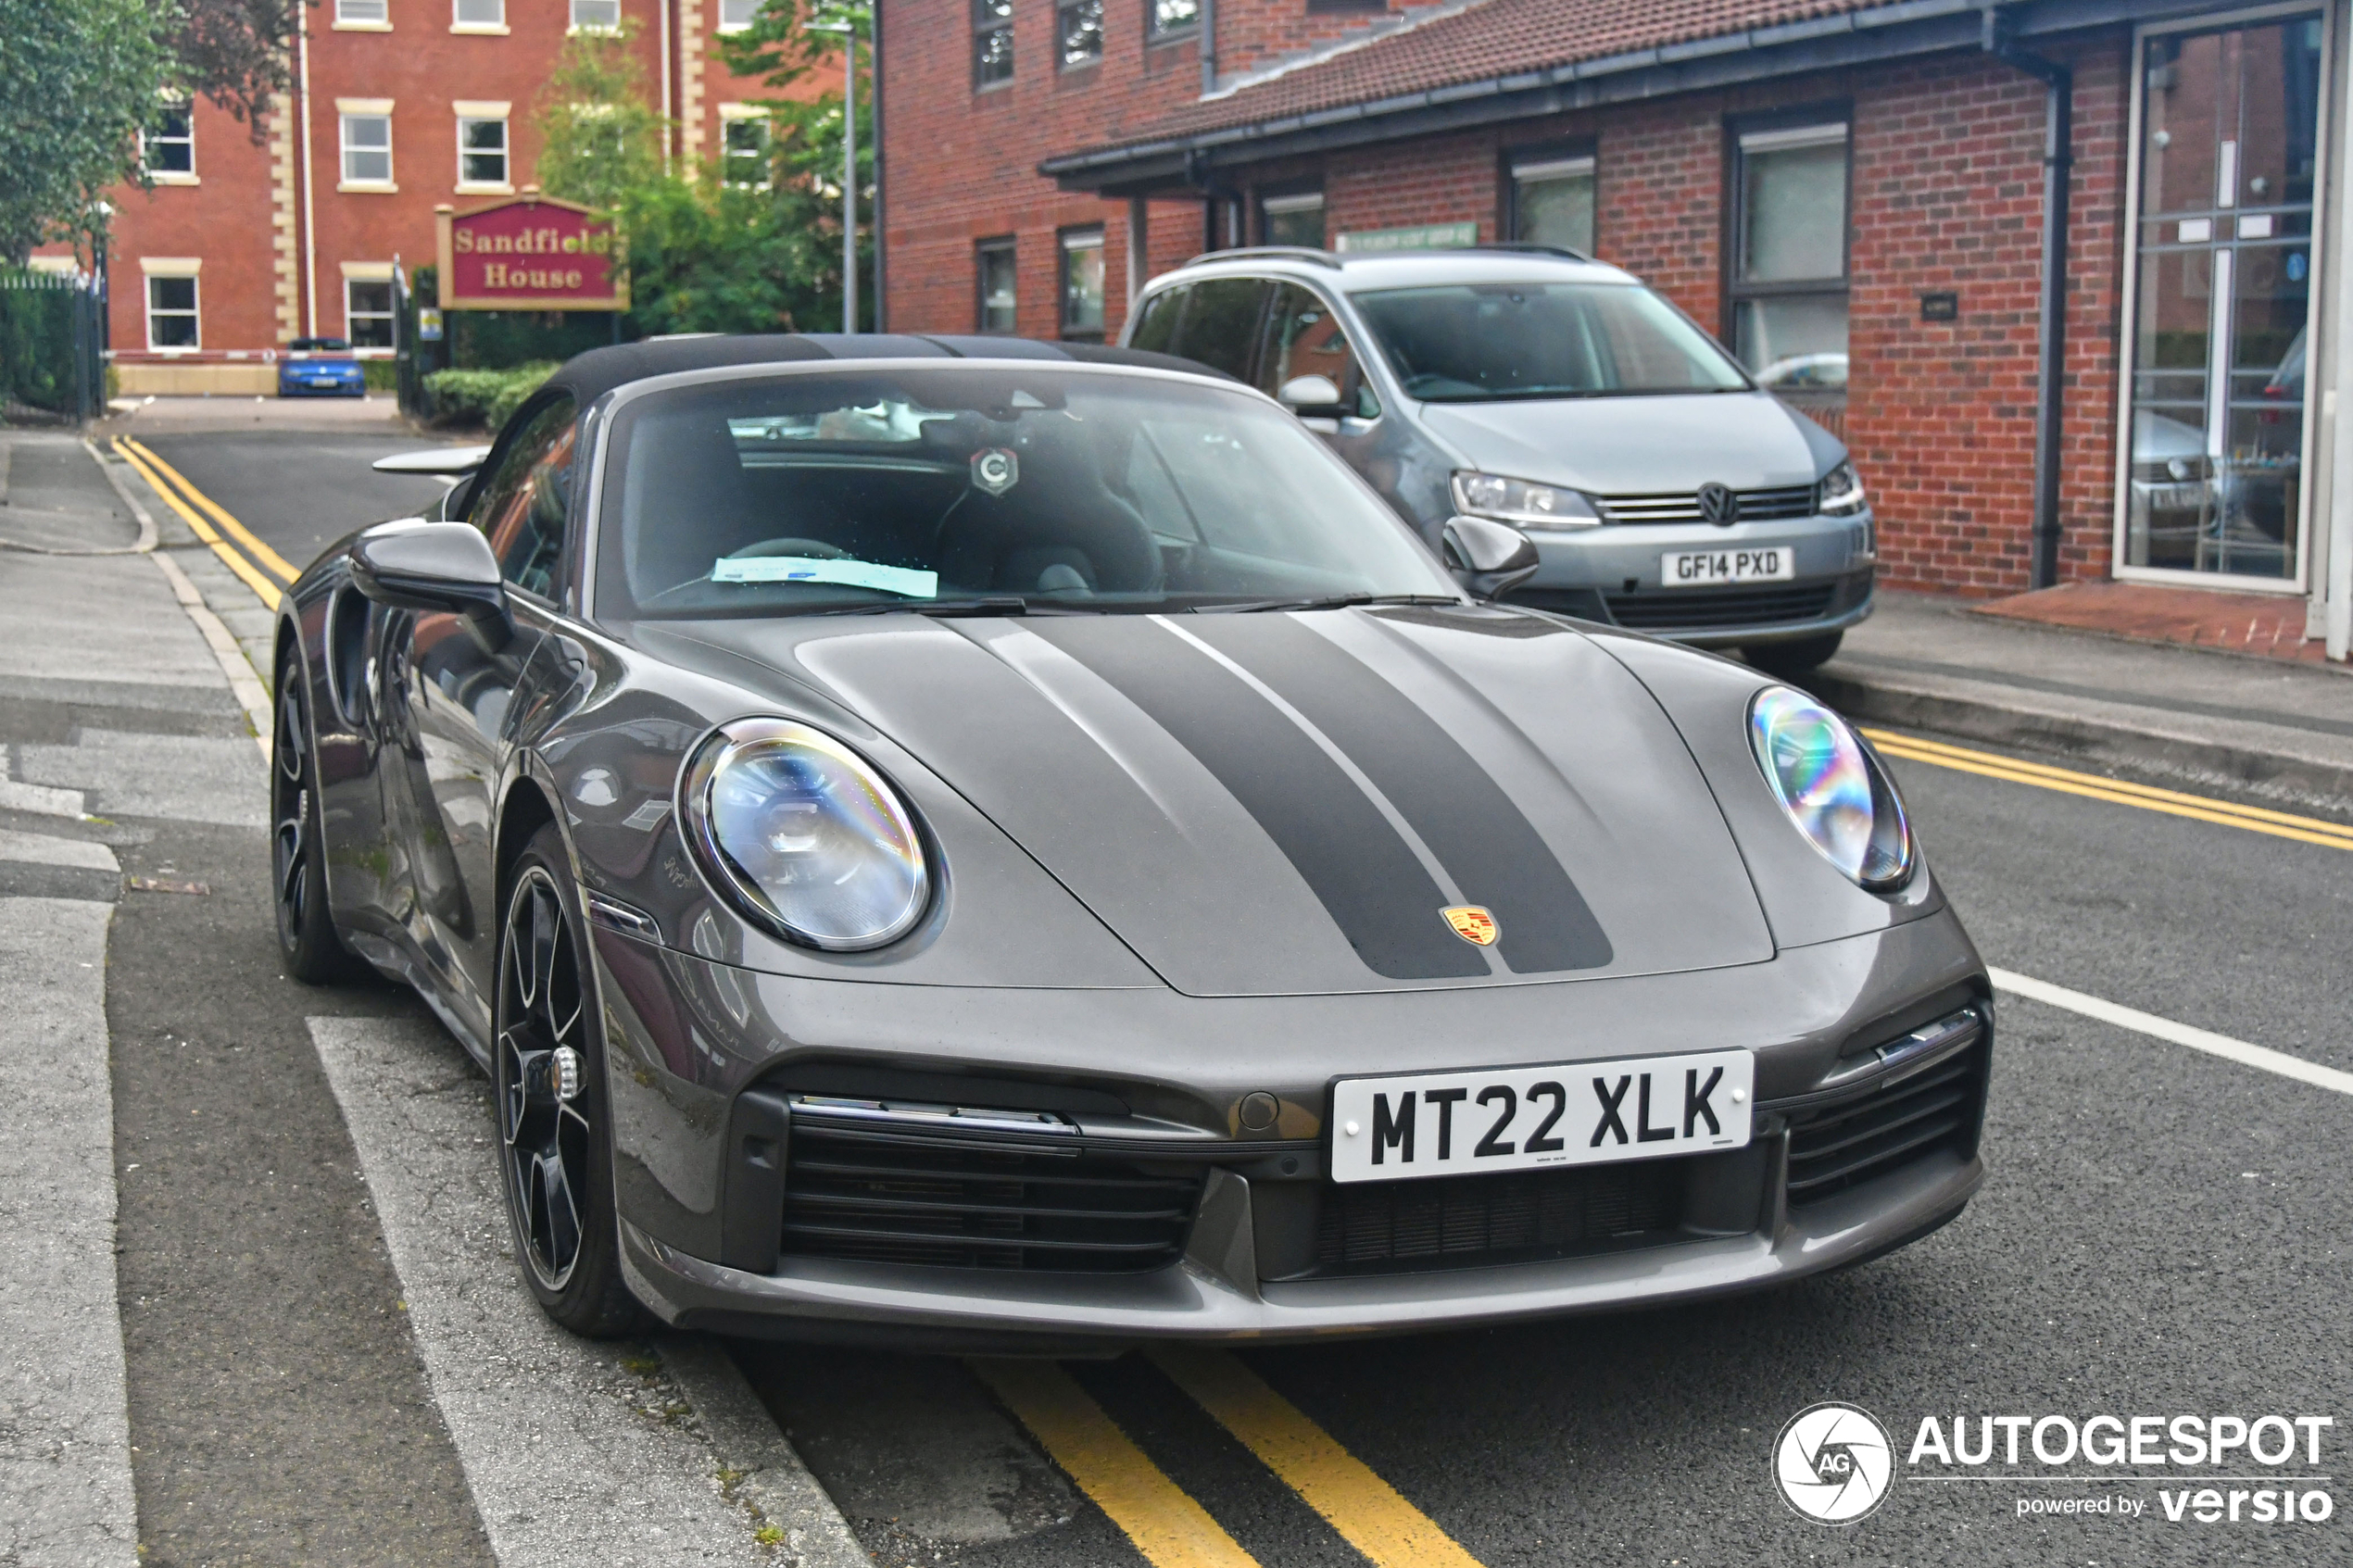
{"type": "Point", "coordinates": [600, 137]}
{"type": "Point", "coordinates": [78, 80]}
{"type": "Point", "coordinates": [705, 255]}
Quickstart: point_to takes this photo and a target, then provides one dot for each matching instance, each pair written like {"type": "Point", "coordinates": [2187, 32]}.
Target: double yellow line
{"type": "Point", "coordinates": [200, 512]}
{"type": "Point", "coordinates": [1167, 1525]}
{"type": "Point", "coordinates": [2092, 787]}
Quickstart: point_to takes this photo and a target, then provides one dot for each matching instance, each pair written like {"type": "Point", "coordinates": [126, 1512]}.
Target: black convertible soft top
{"type": "Point", "coordinates": [589, 376]}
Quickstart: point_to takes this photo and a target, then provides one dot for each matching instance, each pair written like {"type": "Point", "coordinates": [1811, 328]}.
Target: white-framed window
{"type": "Point", "coordinates": [736, 16]}
{"type": "Point", "coordinates": [1296, 218]}
{"type": "Point", "coordinates": [171, 310]}
{"type": "Point", "coordinates": [367, 310]}
{"type": "Point", "coordinates": [1552, 199]}
{"type": "Point", "coordinates": [1788, 256]}
{"type": "Point", "coordinates": [477, 16]}
{"type": "Point", "coordinates": [743, 146]}
{"type": "Point", "coordinates": [367, 147]}
{"type": "Point", "coordinates": [483, 147]}
{"type": "Point", "coordinates": [364, 15]}
{"type": "Point", "coordinates": [169, 150]}
{"type": "Point", "coordinates": [596, 16]}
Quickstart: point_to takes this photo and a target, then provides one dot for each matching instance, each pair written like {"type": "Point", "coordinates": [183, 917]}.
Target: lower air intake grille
{"type": "Point", "coordinates": [1461, 1221]}
{"type": "Point", "coordinates": [1837, 1146]}
{"type": "Point", "coordinates": [1700, 608]}
{"type": "Point", "coordinates": [895, 1197]}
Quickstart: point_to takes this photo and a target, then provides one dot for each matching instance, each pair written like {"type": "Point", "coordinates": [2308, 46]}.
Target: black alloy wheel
{"type": "Point", "coordinates": [313, 952]}
{"type": "Point", "coordinates": [554, 1154]}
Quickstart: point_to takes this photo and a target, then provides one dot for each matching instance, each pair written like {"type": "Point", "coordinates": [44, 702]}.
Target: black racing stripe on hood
{"type": "Point", "coordinates": [1488, 845]}
{"type": "Point", "coordinates": [1370, 882]}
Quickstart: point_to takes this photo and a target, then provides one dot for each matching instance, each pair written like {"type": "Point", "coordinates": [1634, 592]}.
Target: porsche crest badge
{"type": "Point", "coordinates": [1473, 924]}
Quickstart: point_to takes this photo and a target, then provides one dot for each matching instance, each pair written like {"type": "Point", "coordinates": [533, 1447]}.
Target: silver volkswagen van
{"type": "Point", "coordinates": [1664, 490]}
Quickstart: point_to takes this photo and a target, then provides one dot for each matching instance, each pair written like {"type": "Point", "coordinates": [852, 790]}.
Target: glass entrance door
{"type": "Point", "coordinates": [2223, 258]}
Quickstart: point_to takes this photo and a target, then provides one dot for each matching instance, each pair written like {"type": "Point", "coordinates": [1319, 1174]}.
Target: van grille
{"type": "Point", "coordinates": [1463, 1221]}
{"type": "Point", "coordinates": [970, 1203]}
{"type": "Point", "coordinates": [1835, 1147]}
{"type": "Point", "coordinates": [1755, 505]}
{"type": "Point", "coordinates": [1707, 609]}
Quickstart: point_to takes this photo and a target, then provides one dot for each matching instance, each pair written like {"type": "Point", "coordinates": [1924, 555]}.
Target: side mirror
{"type": "Point", "coordinates": [441, 567]}
{"type": "Point", "coordinates": [1311, 397]}
{"type": "Point", "coordinates": [1489, 558]}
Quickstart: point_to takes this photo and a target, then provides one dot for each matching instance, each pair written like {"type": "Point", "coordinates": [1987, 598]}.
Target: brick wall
{"type": "Point", "coordinates": [1948, 197]}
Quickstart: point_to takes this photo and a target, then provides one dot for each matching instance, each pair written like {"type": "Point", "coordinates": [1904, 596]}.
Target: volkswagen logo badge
{"type": "Point", "coordinates": [1719, 505]}
{"type": "Point", "coordinates": [1833, 1463]}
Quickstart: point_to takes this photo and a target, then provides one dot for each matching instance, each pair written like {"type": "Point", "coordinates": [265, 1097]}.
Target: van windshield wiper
{"type": "Point", "coordinates": [1327, 601]}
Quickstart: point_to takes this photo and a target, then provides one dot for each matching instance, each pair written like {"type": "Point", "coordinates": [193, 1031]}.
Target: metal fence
{"type": "Point", "coordinates": [51, 345]}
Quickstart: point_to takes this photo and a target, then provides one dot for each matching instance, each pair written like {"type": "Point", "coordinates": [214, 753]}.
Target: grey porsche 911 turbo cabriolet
{"type": "Point", "coordinates": [990, 843]}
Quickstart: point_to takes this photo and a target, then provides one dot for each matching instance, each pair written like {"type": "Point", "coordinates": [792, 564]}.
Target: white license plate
{"type": "Point", "coordinates": [1694, 569]}
{"type": "Point", "coordinates": [1522, 1118]}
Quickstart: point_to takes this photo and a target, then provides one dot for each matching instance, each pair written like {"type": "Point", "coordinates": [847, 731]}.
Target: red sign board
{"type": "Point", "coordinates": [531, 253]}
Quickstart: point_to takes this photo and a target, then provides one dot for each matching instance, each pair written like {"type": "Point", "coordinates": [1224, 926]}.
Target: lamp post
{"type": "Point", "coordinates": [849, 168]}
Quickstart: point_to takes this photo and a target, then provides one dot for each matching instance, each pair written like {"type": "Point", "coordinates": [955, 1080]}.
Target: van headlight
{"type": "Point", "coordinates": [803, 836]}
{"type": "Point", "coordinates": [1833, 789]}
{"type": "Point", "coordinates": [1840, 493]}
{"type": "Point", "coordinates": [1521, 503]}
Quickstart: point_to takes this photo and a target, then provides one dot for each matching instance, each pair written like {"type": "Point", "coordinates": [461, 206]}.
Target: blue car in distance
{"type": "Point", "coordinates": [320, 366]}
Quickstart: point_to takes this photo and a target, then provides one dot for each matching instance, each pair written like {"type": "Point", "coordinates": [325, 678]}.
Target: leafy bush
{"type": "Point", "coordinates": [384, 375]}
{"type": "Point", "coordinates": [466, 396]}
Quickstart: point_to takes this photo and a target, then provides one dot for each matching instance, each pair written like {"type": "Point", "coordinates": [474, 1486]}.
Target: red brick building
{"type": "Point", "coordinates": [1849, 193]}
{"type": "Point", "coordinates": [399, 106]}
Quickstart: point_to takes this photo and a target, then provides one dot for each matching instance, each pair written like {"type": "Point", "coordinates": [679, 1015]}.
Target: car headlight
{"type": "Point", "coordinates": [1833, 788]}
{"type": "Point", "coordinates": [1517, 501]}
{"type": "Point", "coordinates": [1841, 491]}
{"type": "Point", "coordinates": [804, 836]}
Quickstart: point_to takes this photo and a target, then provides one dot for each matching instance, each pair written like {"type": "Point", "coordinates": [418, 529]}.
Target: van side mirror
{"type": "Point", "coordinates": [443, 566]}
{"type": "Point", "coordinates": [1311, 397]}
{"type": "Point", "coordinates": [1489, 558]}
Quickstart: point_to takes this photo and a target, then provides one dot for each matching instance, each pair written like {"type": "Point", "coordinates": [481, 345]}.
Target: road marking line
{"type": "Point", "coordinates": [270, 558]}
{"type": "Point", "coordinates": [263, 589]}
{"type": "Point", "coordinates": [1365, 1509]}
{"type": "Point", "coordinates": [1168, 1528]}
{"type": "Point", "coordinates": [2173, 803]}
{"type": "Point", "coordinates": [2197, 1039]}
{"type": "Point", "coordinates": [2121, 786]}
{"type": "Point", "coordinates": [566, 1443]}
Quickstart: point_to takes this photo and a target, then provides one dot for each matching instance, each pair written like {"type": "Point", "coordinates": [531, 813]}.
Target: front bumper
{"type": "Point", "coordinates": [694, 1044]}
{"type": "Point", "coordinates": [1613, 574]}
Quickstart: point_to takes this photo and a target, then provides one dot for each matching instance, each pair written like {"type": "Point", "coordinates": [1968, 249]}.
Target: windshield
{"type": "Point", "coordinates": [1473, 342]}
{"type": "Point", "coordinates": [1003, 490]}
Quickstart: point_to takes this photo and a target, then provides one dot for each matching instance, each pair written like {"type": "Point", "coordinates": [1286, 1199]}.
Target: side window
{"type": "Point", "coordinates": [1156, 322]}
{"type": "Point", "coordinates": [1221, 324]}
{"type": "Point", "coordinates": [1304, 339]}
{"type": "Point", "coordinates": [522, 505]}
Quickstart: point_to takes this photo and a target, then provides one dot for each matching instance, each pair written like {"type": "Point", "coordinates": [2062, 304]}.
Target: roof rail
{"type": "Point", "coordinates": [1301, 253]}
{"type": "Point", "coordinates": [1533, 246]}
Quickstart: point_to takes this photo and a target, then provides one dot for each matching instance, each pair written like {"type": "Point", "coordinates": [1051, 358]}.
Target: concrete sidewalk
{"type": "Point", "coordinates": [2266, 727]}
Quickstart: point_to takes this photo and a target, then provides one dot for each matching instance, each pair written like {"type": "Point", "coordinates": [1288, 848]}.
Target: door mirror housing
{"type": "Point", "coordinates": [1489, 558]}
{"type": "Point", "coordinates": [1311, 396]}
{"type": "Point", "coordinates": [441, 567]}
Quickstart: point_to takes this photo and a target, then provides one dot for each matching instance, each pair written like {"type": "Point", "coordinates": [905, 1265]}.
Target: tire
{"type": "Point", "coordinates": [1798, 656]}
{"type": "Point", "coordinates": [312, 950]}
{"type": "Point", "coordinates": [555, 1136]}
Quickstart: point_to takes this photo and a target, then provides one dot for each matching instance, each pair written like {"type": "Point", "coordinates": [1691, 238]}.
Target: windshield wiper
{"type": "Point", "coordinates": [994, 604]}
{"type": "Point", "coordinates": [1328, 601]}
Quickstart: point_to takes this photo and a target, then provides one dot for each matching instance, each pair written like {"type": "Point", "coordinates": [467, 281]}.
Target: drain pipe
{"type": "Point", "coordinates": [2058, 140]}
{"type": "Point", "coordinates": [1208, 47]}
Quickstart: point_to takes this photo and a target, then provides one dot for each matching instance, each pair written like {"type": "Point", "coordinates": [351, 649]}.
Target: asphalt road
{"type": "Point", "coordinates": [2163, 1233]}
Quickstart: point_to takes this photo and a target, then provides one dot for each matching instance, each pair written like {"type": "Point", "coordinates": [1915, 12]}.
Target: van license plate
{"type": "Point", "coordinates": [1700, 569]}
